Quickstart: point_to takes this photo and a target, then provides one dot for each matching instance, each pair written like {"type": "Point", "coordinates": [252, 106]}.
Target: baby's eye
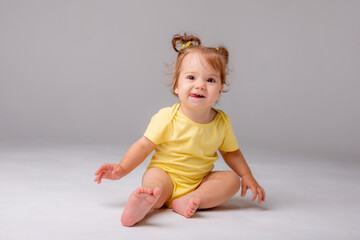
{"type": "Point", "coordinates": [191, 77]}
{"type": "Point", "coordinates": [211, 80]}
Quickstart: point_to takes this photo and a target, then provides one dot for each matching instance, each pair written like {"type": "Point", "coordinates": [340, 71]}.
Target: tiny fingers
{"type": "Point", "coordinates": [102, 168]}
{"type": "Point", "coordinates": [99, 170]}
{"type": "Point", "coordinates": [262, 194]}
{"type": "Point", "coordinates": [260, 197]}
{"type": "Point", "coordinates": [258, 192]}
{"type": "Point", "coordinates": [255, 193]}
{"type": "Point", "coordinates": [98, 178]}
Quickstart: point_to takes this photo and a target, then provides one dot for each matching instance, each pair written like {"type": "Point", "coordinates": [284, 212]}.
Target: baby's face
{"type": "Point", "coordinates": [199, 85]}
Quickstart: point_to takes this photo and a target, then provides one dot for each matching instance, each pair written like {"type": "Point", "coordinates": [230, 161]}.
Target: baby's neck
{"type": "Point", "coordinates": [201, 116]}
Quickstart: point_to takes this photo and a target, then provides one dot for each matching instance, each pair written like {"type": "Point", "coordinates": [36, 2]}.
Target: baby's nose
{"type": "Point", "coordinates": [200, 85]}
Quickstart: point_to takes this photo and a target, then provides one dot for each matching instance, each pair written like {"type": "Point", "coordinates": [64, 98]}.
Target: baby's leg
{"type": "Point", "coordinates": [155, 191]}
{"type": "Point", "coordinates": [215, 189]}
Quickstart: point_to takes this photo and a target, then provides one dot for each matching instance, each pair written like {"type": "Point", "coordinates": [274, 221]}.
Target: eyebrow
{"type": "Point", "coordinates": [214, 76]}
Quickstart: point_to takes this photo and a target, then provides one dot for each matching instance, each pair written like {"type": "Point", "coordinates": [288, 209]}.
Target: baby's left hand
{"type": "Point", "coordinates": [249, 181]}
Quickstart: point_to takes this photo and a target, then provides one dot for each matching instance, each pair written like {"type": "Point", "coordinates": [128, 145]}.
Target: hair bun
{"type": "Point", "coordinates": [224, 52]}
{"type": "Point", "coordinates": [178, 40]}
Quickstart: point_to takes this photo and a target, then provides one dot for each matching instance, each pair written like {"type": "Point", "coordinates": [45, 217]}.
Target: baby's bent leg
{"type": "Point", "coordinates": [156, 177]}
{"type": "Point", "coordinates": [215, 189]}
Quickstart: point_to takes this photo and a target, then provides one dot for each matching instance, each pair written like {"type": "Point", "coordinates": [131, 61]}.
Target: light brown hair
{"type": "Point", "coordinates": [216, 57]}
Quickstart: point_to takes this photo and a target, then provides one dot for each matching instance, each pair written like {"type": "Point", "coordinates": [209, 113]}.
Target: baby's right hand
{"type": "Point", "coordinates": [110, 171]}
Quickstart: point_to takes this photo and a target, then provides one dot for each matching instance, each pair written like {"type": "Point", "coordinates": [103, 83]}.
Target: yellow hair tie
{"type": "Point", "coordinates": [186, 45]}
{"type": "Point", "coordinates": [217, 49]}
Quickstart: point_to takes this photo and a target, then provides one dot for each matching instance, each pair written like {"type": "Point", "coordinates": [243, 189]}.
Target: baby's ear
{"type": "Point", "coordinates": [220, 91]}
{"type": "Point", "coordinates": [222, 88]}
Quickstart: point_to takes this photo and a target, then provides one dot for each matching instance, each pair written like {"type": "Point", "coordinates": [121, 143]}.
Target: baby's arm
{"type": "Point", "coordinates": [236, 162]}
{"type": "Point", "coordinates": [136, 154]}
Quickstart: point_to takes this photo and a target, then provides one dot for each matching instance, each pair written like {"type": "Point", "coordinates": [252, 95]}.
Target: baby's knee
{"type": "Point", "coordinates": [234, 181]}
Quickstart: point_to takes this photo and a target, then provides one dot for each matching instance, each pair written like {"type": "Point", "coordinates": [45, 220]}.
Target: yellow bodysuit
{"type": "Point", "coordinates": [187, 150]}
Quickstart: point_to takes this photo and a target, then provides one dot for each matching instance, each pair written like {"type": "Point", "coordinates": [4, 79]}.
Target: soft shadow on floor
{"type": "Point", "coordinates": [146, 221]}
{"type": "Point", "coordinates": [236, 204]}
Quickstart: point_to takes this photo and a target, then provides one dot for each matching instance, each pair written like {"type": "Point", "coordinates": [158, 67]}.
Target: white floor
{"type": "Point", "coordinates": [49, 193]}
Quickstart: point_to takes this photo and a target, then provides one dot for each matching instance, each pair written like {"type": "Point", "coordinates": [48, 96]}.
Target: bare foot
{"type": "Point", "coordinates": [186, 206]}
{"type": "Point", "coordinates": [139, 204]}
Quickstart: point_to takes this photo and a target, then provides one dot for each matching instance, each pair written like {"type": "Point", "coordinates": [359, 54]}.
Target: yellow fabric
{"type": "Point", "coordinates": [187, 150]}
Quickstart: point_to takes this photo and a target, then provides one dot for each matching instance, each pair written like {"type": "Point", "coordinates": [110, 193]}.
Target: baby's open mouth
{"type": "Point", "coordinates": [196, 95]}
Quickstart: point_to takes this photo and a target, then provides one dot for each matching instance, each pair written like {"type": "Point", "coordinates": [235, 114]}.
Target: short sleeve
{"type": "Point", "coordinates": [159, 127]}
{"type": "Point", "coordinates": [229, 143]}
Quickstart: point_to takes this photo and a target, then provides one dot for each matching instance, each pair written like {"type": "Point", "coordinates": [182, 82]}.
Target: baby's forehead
{"type": "Point", "coordinates": [194, 57]}
{"type": "Point", "coordinates": [194, 61]}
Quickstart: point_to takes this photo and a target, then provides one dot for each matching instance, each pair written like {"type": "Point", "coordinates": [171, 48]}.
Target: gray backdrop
{"type": "Point", "coordinates": [94, 72]}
